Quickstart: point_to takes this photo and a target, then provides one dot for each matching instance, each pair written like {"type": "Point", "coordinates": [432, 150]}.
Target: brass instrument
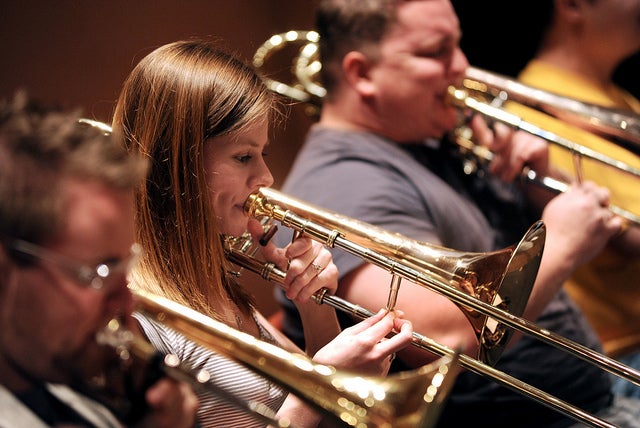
{"type": "Point", "coordinates": [408, 399]}
{"type": "Point", "coordinates": [239, 249]}
{"type": "Point", "coordinates": [429, 267]}
{"type": "Point", "coordinates": [305, 88]}
{"type": "Point", "coordinates": [610, 123]}
{"type": "Point", "coordinates": [138, 356]}
{"type": "Point", "coordinates": [479, 92]}
{"type": "Point", "coordinates": [496, 279]}
{"type": "Point", "coordinates": [620, 125]}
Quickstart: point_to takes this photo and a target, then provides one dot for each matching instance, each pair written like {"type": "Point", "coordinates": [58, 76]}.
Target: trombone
{"type": "Point", "coordinates": [613, 124]}
{"type": "Point", "coordinates": [622, 127]}
{"type": "Point", "coordinates": [131, 349]}
{"type": "Point", "coordinates": [238, 252]}
{"type": "Point", "coordinates": [402, 256]}
{"type": "Point", "coordinates": [408, 399]}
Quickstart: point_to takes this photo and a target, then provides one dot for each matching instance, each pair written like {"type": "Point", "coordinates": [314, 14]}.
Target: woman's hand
{"type": "Point", "coordinates": [365, 347]}
{"type": "Point", "coordinates": [308, 265]}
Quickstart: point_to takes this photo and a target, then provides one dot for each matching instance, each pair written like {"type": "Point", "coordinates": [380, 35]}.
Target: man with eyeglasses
{"type": "Point", "coordinates": [66, 245]}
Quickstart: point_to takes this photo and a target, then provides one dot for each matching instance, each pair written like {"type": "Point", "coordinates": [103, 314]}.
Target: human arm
{"type": "Point", "coordinates": [578, 225]}
{"type": "Point", "coordinates": [431, 314]}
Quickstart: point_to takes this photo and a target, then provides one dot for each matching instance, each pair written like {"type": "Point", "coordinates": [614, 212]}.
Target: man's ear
{"type": "Point", "coordinates": [356, 67]}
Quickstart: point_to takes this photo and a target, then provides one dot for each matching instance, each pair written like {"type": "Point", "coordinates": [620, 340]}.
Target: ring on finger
{"type": "Point", "coordinates": [317, 267]}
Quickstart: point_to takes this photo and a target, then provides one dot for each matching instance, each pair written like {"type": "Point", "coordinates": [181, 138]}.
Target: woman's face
{"type": "Point", "coordinates": [236, 168]}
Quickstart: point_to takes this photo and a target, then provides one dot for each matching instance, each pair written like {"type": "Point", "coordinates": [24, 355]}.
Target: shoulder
{"type": "Point", "coordinates": [91, 410]}
{"type": "Point", "coordinates": [15, 414]}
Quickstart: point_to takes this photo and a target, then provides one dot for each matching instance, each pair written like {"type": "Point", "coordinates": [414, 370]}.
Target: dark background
{"type": "Point", "coordinates": [501, 35]}
{"type": "Point", "coordinates": [77, 53]}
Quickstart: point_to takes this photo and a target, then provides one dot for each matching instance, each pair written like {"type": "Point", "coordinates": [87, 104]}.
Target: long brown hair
{"type": "Point", "coordinates": [175, 99]}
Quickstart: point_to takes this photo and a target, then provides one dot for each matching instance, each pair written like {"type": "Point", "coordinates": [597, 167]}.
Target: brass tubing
{"type": "Point", "coordinates": [405, 400]}
{"type": "Point", "coordinates": [622, 126]}
{"type": "Point", "coordinates": [265, 203]}
{"type": "Point", "coordinates": [461, 98]}
{"type": "Point", "coordinates": [270, 272]}
{"type": "Point", "coordinates": [128, 345]}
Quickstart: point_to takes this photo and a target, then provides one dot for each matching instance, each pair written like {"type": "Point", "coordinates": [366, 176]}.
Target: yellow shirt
{"type": "Point", "coordinates": [608, 288]}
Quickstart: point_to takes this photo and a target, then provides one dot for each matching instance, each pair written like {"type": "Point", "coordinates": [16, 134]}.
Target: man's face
{"type": "Point", "coordinates": [48, 317]}
{"type": "Point", "coordinates": [419, 59]}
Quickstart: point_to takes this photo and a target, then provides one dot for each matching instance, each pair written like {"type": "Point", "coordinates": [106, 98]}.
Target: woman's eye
{"type": "Point", "coordinates": [244, 158]}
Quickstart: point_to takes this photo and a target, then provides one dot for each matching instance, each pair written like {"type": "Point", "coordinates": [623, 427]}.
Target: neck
{"type": "Point", "coordinates": [569, 49]}
{"type": "Point", "coordinates": [600, 73]}
{"type": "Point", "coordinates": [13, 377]}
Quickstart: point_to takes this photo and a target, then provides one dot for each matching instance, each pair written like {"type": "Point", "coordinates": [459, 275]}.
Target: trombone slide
{"type": "Point", "coordinates": [462, 136]}
{"type": "Point", "coordinates": [408, 399]}
{"type": "Point", "coordinates": [272, 273]}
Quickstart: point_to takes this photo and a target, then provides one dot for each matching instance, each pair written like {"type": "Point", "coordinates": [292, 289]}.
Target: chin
{"type": "Point", "coordinates": [235, 230]}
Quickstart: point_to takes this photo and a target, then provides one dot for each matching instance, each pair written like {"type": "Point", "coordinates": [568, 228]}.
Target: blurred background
{"type": "Point", "coordinates": [77, 53]}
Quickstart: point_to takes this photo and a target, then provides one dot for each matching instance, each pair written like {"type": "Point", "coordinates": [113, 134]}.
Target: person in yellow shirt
{"type": "Point", "coordinates": [581, 45]}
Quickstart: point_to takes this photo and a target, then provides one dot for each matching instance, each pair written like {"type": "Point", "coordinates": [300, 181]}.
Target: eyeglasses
{"type": "Point", "coordinates": [91, 276]}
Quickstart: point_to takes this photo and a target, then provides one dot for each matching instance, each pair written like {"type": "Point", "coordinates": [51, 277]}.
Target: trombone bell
{"type": "Point", "coordinates": [408, 399]}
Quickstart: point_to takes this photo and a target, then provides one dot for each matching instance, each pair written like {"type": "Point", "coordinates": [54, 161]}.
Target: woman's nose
{"type": "Point", "coordinates": [264, 178]}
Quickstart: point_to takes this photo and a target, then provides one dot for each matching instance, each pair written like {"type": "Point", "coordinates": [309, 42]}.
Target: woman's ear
{"type": "Point", "coordinates": [356, 67]}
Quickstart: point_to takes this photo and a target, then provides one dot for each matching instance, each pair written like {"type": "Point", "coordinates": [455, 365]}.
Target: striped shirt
{"type": "Point", "coordinates": [226, 374]}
